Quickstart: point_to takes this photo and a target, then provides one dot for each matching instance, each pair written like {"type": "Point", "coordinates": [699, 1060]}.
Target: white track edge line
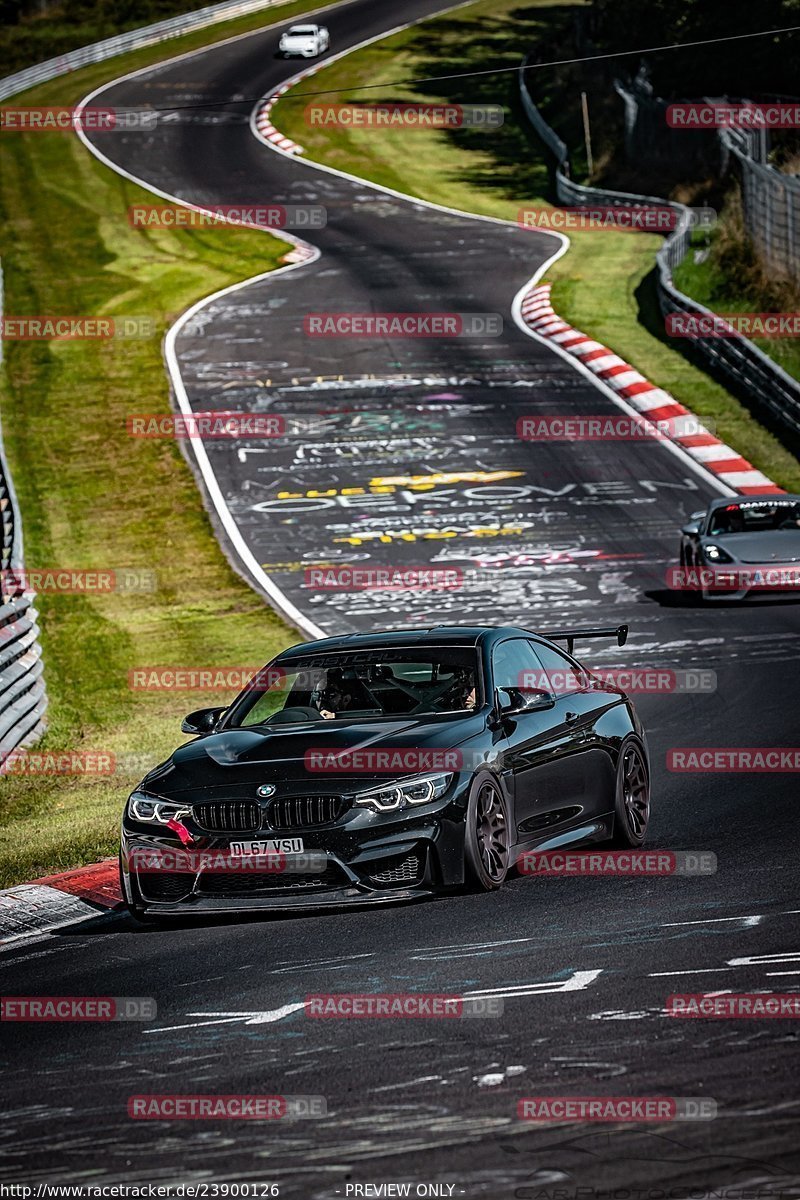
{"type": "Point", "coordinates": [674, 447]}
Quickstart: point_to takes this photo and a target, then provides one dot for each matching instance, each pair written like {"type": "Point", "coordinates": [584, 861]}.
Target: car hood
{"type": "Point", "coordinates": [235, 761]}
{"type": "Point", "coordinates": [769, 545]}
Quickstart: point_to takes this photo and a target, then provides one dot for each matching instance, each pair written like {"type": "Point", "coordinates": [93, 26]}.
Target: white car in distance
{"type": "Point", "coordinates": [306, 41]}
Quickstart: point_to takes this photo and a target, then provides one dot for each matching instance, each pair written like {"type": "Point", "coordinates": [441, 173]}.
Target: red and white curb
{"type": "Point", "coordinates": [263, 120]}
{"type": "Point", "coordinates": [263, 123]}
{"type": "Point", "coordinates": [301, 253]}
{"type": "Point", "coordinates": [653, 403]}
{"type": "Point", "coordinates": [57, 901]}
{"type": "Point", "coordinates": [267, 129]}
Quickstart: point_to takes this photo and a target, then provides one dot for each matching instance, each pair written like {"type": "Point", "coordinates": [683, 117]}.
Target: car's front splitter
{"type": "Point", "coordinates": [335, 898]}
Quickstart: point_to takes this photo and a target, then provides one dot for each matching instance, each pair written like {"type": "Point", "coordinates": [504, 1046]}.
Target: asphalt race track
{"type": "Point", "coordinates": [571, 532]}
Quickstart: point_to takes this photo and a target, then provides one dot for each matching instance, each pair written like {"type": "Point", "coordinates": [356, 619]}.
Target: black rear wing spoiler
{"type": "Point", "coordinates": [620, 632]}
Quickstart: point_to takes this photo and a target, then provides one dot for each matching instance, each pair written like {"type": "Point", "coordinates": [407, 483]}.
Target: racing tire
{"type": "Point", "coordinates": [632, 796]}
{"type": "Point", "coordinates": [487, 840]}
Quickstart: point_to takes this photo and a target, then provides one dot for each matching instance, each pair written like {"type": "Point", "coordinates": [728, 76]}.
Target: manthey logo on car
{"type": "Point", "coordinates": [265, 791]}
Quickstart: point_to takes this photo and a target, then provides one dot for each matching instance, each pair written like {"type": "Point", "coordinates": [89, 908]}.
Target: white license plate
{"type": "Point", "coordinates": [272, 846]}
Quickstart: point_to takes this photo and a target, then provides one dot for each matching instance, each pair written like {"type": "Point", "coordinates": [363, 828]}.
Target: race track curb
{"type": "Point", "coordinates": [264, 121]}
{"type": "Point", "coordinates": [58, 901]}
{"type": "Point", "coordinates": [653, 403]}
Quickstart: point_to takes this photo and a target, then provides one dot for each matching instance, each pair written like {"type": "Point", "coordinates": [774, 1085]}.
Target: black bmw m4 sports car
{"type": "Point", "coordinates": [377, 767]}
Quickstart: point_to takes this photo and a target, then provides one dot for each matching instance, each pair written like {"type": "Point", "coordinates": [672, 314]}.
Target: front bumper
{"type": "Point", "coordinates": [366, 857]}
{"type": "Point", "coordinates": [741, 581]}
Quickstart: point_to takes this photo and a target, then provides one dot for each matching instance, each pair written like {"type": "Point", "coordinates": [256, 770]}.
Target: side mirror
{"type": "Point", "coordinates": [692, 526]}
{"type": "Point", "coordinates": [204, 720]}
{"type": "Point", "coordinates": [512, 701]}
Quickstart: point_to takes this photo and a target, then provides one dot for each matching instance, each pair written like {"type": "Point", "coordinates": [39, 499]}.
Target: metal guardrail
{"type": "Point", "coordinates": [735, 358]}
{"type": "Point", "coordinates": [134, 39]}
{"type": "Point", "coordinates": [770, 206]}
{"type": "Point", "coordinates": [23, 699]}
{"type": "Point", "coordinates": [770, 198]}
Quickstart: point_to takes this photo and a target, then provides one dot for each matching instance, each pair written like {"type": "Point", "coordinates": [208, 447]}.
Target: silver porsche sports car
{"type": "Point", "coordinates": [743, 546]}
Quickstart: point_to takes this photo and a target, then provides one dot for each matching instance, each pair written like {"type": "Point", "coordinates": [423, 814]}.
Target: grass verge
{"type": "Point", "coordinates": [93, 497]}
{"type": "Point", "coordinates": [605, 285]}
{"type": "Point", "coordinates": [723, 272]}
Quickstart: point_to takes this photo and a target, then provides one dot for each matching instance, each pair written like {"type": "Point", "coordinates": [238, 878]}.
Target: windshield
{"type": "Point", "coordinates": [361, 685]}
{"type": "Point", "coordinates": [751, 517]}
{"type": "Point", "coordinates": [304, 30]}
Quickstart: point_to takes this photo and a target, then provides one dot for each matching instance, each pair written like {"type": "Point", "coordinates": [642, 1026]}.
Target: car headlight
{"type": "Point", "coordinates": [717, 554]}
{"type": "Point", "coordinates": [153, 811]}
{"type": "Point", "coordinates": [399, 795]}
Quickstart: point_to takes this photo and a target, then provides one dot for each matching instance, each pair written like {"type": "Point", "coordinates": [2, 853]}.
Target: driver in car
{"type": "Point", "coordinates": [333, 698]}
{"type": "Point", "coordinates": [461, 694]}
